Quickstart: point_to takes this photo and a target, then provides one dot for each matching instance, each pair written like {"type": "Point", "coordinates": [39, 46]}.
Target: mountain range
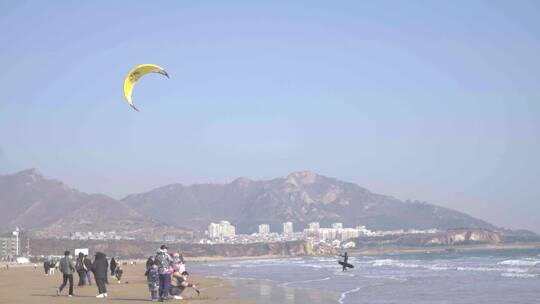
{"type": "Point", "coordinates": [31, 201]}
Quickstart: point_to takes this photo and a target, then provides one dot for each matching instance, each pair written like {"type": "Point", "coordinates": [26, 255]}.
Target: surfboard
{"type": "Point", "coordinates": [345, 264]}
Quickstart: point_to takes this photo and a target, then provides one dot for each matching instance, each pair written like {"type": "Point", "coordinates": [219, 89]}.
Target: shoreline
{"type": "Point", "coordinates": [368, 251]}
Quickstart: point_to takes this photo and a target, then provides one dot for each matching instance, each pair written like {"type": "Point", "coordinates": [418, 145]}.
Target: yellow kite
{"type": "Point", "coordinates": [134, 75]}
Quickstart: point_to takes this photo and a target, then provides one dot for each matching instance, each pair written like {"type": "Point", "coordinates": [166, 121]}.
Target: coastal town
{"type": "Point", "coordinates": [337, 234]}
{"type": "Point", "coordinates": [223, 232]}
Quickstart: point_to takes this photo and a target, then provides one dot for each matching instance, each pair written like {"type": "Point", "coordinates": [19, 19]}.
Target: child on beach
{"type": "Point", "coordinates": [118, 273]}
{"type": "Point", "coordinates": [178, 263]}
{"type": "Point", "coordinates": [152, 277]}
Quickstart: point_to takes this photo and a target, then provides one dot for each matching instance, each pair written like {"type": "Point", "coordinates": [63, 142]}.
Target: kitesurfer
{"type": "Point", "coordinates": [345, 257]}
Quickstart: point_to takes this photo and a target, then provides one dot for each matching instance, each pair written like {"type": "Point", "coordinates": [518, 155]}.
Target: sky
{"type": "Point", "coordinates": [423, 100]}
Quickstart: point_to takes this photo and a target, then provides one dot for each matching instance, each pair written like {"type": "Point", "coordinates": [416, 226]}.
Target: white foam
{"type": "Point", "coordinates": [390, 262]}
{"type": "Point", "coordinates": [523, 262]}
{"type": "Point", "coordinates": [437, 267]}
{"type": "Point", "coordinates": [305, 281]}
{"type": "Point", "coordinates": [385, 262]}
{"type": "Point", "coordinates": [519, 275]}
{"type": "Point", "coordinates": [387, 277]}
{"type": "Point", "coordinates": [344, 294]}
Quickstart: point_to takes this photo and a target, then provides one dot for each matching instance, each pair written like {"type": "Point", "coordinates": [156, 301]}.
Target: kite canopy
{"type": "Point", "coordinates": [134, 75]}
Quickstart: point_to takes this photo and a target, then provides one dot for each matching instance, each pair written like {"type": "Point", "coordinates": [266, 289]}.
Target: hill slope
{"type": "Point", "coordinates": [29, 200]}
{"type": "Point", "coordinates": [300, 197]}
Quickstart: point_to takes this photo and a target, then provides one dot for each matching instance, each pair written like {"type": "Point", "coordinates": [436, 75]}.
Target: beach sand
{"type": "Point", "coordinates": [26, 285]}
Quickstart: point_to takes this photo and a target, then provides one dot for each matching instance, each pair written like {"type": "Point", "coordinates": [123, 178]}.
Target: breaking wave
{"type": "Point", "coordinates": [523, 262]}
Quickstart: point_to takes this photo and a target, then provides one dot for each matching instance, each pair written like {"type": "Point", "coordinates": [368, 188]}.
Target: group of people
{"type": "Point", "coordinates": [167, 276]}
{"type": "Point", "coordinates": [85, 268]}
{"type": "Point", "coordinates": [165, 273]}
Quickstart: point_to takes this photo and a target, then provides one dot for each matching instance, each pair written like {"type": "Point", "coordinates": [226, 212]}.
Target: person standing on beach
{"type": "Point", "coordinates": [152, 277]}
{"type": "Point", "coordinates": [164, 263]}
{"type": "Point", "coordinates": [113, 266]}
{"type": "Point", "coordinates": [52, 267]}
{"type": "Point", "coordinates": [88, 264]}
{"type": "Point", "coordinates": [149, 264]}
{"type": "Point", "coordinates": [46, 266]}
{"type": "Point", "coordinates": [100, 270]}
{"type": "Point", "coordinates": [81, 269]}
{"type": "Point", "coordinates": [67, 268]}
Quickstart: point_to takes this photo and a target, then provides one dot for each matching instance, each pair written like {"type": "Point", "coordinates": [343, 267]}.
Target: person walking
{"type": "Point", "coordinates": [100, 269]}
{"type": "Point", "coordinates": [345, 261]}
{"type": "Point", "coordinates": [66, 268]}
{"type": "Point", "coordinates": [164, 263]}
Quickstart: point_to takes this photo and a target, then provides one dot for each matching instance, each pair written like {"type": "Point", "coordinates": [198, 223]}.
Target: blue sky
{"type": "Point", "coordinates": [416, 99]}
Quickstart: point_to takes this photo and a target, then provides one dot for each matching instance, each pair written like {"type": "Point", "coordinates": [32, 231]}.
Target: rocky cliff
{"type": "Point", "coordinates": [448, 238]}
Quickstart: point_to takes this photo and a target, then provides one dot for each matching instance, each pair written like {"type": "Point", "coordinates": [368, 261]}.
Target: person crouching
{"type": "Point", "coordinates": [179, 283]}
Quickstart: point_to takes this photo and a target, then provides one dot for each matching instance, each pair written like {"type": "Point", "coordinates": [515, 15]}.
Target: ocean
{"type": "Point", "coordinates": [496, 276]}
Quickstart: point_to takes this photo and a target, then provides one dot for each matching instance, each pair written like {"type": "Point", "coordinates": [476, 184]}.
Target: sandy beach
{"type": "Point", "coordinates": [26, 285]}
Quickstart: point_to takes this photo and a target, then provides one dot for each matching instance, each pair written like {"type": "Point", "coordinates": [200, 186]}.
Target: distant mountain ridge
{"type": "Point", "coordinates": [300, 197]}
{"type": "Point", "coordinates": [29, 200]}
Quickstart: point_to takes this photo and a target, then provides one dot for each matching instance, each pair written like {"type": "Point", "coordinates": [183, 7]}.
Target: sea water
{"type": "Point", "coordinates": [501, 276]}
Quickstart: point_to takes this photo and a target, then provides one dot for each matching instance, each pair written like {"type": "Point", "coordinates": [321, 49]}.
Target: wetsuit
{"type": "Point", "coordinates": [345, 261]}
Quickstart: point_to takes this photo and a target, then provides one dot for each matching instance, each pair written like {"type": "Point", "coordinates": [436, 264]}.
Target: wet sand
{"type": "Point", "coordinates": [26, 285]}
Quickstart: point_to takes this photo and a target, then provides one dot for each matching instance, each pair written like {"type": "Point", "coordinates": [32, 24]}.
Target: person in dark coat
{"type": "Point", "coordinates": [113, 266]}
{"type": "Point", "coordinates": [100, 269]}
{"type": "Point", "coordinates": [149, 264]}
{"type": "Point", "coordinates": [46, 266]}
{"type": "Point", "coordinates": [345, 260]}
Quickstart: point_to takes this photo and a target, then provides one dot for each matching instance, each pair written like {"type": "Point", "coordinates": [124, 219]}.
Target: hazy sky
{"type": "Point", "coordinates": [429, 100]}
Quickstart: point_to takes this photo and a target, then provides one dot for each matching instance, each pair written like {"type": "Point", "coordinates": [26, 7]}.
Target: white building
{"type": "Point", "coordinates": [221, 229]}
{"type": "Point", "coordinates": [264, 229]}
{"type": "Point", "coordinates": [288, 228]}
{"type": "Point", "coordinates": [347, 233]}
{"type": "Point", "coordinates": [337, 226]}
{"type": "Point", "coordinates": [314, 225]}
{"type": "Point", "coordinates": [8, 247]}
